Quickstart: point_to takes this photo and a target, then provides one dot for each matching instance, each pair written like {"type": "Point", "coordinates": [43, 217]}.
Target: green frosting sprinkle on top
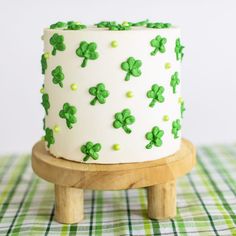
{"type": "Point", "coordinates": [176, 126]}
{"type": "Point", "coordinates": [112, 25]}
{"type": "Point", "coordinates": [45, 102]}
{"type": "Point", "coordinates": [68, 113]}
{"type": "Point", "coordinates": [49, 138]}
{"type": "Point", "coordinates": [105, 24]}
{"type": "Point", "coordinates": [132, 67]}
{"type": "Point", "coordinates": [139, 23]}
{"type": "Point", "coordinates": [174, 81]}
{"type": "Point", "coordinates": [154, 136]}
{"type": "Point", "coordinates": [159, 44]}
{"type": "Point", "coordinates": [87, 51]}
{"type": "Point", "coordinates": [156, 93]}
{"type": "Point", "coordinates": [91, 150]}
{"type": "Point", "coordinates": [44, 64]}
{"type": "Point", "coordinates": [70, 25]}
{"type": "Point", "coordinates": [57, 41]}
{"type": "Point", "coordinates": [58, 76]}
{"type": "Point", "coordinates": [179, 50]}
{"type": "Point", "coordinates": [123, 119]}
{"type": "Point", "coordinates": [58, 25]}
{"type": "Point", "coordinates": [158, 25]}
{"type": "Point", "coordinates": [100, 94]}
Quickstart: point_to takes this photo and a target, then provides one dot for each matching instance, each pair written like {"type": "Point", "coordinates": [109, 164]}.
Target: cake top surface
{"type": "Point", "coordinates": [110, 26]}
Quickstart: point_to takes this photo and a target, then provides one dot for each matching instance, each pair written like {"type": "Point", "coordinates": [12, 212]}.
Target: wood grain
{"type": "Point", "coordinates": [112, 177]}
{"type": "Point", "coordinates": [69, 204]}
{"type": "Point", "coordinates": [162, 200]}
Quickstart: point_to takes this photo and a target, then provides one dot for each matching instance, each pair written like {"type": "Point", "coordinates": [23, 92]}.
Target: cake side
{"type": "Point", "coordinates": [116, 103]}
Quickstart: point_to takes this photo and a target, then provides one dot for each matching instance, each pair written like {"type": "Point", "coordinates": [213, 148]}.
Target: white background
{"type": "Point", "coordinates": [208, 73]}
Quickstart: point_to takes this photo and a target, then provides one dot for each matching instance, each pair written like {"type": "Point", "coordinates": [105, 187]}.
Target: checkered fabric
{"type": "Point", "coordinates": [206, 202]}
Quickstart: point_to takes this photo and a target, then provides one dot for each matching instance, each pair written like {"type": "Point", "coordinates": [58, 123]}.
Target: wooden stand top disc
{"type": "Point", "coordinates": [112, 176]}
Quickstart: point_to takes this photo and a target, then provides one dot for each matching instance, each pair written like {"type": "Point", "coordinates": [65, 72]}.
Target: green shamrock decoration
{"type": "Point", "coordinates": [132, 67]}
{"type": "Point", "coordinates": [174, 81]}
{"type": "Point", "coordinates": [182, 109]}
{"type": "Point", "coordinates": [58, 25]}
{"type": "Point", "coordinates": [179, 50]}
{"type": "Point", "coordinates": [90, 150]}
{"type": "Point", "coordinates": [154, 136]}
{"type": "Point", "coordinates": [57, 41]}
{"type": "Point", "coordinates": [158, 25]}
{"type": "Point", "coordinates": [71, 25]}
{"type": "Point", "coordinates": [68, 113]}
{"type": "Point", "coordinates": [112, 25]}
{"type": "Point", "coordinates": [44, 64]}
{"type": "Point", "coordinates": [123, 119]}
{"type": "Point", "coordinates": [87, 51]}
{"type": "Point", "coordinates": [100, 94]}
{"type": "Point", "coordinates": [105, 24]}
{"type": "Point", "coordinates": [49, 137]}
{"type": "Point", "coordinates": [159, 44]}
{"type": "Point", "coordinates": [156, 93]}
{"type": "Point", "coordinates": [140, 23]}
{"type": "Point", "coordinates": [58, 76]}
{"type": "Point", "coordinates": [45, 102]}
{"type": "Point", "coordinates": [176, 126]}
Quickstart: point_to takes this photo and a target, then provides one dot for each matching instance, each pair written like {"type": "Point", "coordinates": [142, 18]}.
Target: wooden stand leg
{"type": "Point", "coordinates": [69, 204]}
{"type": "Point", "coordinates": [162, 201]}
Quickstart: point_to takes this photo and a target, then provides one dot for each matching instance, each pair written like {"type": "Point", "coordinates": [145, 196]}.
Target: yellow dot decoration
{"type": "Point", "coordinates": [56, 128]}
{"type": "Point", "coordinates": [114, 44]}
{"type": "Point", "coordinates": [74, 87]}
{"type": "Point", "coordinates": [78, 23]}
{"type": "Point", "coordinates": [42, 90]}
{"type": "Point", "coordinates": [116, 147]}
{"type": "Point", "coordinates": [167, 66]}
{"type": "Point", "coordinates": [47, 55]}
{"type": "Point", "coordinates": [125, 23]}
{"type": "Point", "coordinates": [129, 94]}
{"type": "Point", "coordinates": [165, 118]}
{"type": "Point", "coordinates": [180, 100]}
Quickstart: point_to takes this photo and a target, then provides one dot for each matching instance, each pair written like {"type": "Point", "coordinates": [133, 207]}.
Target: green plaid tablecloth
{"type": "Point", "coordinates": [206, 202]}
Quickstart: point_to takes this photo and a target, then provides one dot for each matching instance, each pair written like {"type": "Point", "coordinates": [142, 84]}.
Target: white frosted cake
{"type": "Point", "coordinates": [111, 91]}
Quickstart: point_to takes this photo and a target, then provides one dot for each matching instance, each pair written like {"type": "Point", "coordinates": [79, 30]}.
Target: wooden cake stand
{"type": "Point", "coordinates": [71, 178]}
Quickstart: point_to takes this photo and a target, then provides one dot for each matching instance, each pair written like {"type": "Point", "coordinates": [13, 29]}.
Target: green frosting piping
{"type": "Point", "coordinates": [68, 113]}
{"type": "Point", "coordinates": [44, 64]}
{"type": "Point", "coordinates": [49, 138]}
{"type": "Point", "coordinates": [70, 25]}
{"type": "Point", "coordinates": [100, 94]}
{"type": "Point", "coordinates": [156, 93]}
{"type": "Point", "coordinates": [44, 126]}
{"type": "Point", "coordinates": [179, 50]}
{"type": "Point", "coordinates": [132, 67]}
{"type": "Point", "coordinates": [112, 25]}
{"type": "Point", "coordinates": [58, 25]}
{"type": "Point", "coordinates": [159, 44]}
{"type": "Point", "coordinates": [58, 76]}
{"type": "Point", "coordinates": [176, 127]}
{"type": "Point", "coordinates": [57, 41]}
{"type": "Point", "coordinates": [123, 119]}
{"type": "Point", "coordinates": [158, 25]}
{"type": "Point", "coordinates": [154, 137]}
{"type": "Point", "coordinates": [174, 81]}
{"type": "Point", "coordinates": [182, 109]}
{"type": "Point", "coordinates": [91, 150]}
{"type": "Point", "coordinates": [87, 51]}
{"type": "Point", "coordinates": [139, 23]}
{"type": "Point", "coordinates": [45, 102]}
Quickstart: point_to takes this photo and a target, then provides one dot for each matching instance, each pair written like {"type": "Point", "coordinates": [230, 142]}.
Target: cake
{"type": "Point", "coordinates": [111, 91]}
